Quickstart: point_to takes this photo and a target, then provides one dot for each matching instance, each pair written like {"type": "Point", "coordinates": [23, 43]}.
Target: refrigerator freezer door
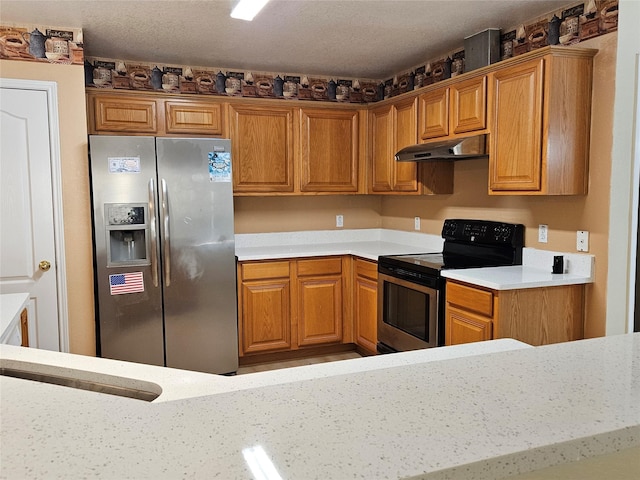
{"type": "Point", "coordinates": [130, 326]}
{"type": "Point", "coordinates": [199, 268]}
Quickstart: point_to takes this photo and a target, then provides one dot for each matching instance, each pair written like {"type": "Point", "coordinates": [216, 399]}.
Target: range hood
{"type": "Point", "coordinates": [455, 149]}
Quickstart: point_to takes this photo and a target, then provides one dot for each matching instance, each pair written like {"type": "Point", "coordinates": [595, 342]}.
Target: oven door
{"type": "Point", "coordinates": [407, 314]}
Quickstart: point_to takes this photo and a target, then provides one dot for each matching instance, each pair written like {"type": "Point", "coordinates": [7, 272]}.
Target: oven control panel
{"type": "Point", "coordinates": [483, 232]}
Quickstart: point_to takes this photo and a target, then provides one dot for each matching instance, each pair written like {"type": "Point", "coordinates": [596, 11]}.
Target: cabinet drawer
{"type": "Point", "coordinates": [470, 298]}
{"type": "Point", "coordinates": [191, 117]}
{"type": "Point", "coordinates": [366, 269]}
{"type": "Point", "coordinates": [262, 270]}
{"type": "Point", "coordinates": [319, 266]}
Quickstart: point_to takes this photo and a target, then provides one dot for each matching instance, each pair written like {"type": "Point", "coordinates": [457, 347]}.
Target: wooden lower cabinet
{"type": "Point", "coordinates": [365, 304]}
{"type": "Point", "coordinates": [319, 301]}
{"type": "Point", "coordinates": [264, 307]}
{"type": "Point", "coordinates": [290, 304]}
{"type": "Point", "coordinates": [537, 316]}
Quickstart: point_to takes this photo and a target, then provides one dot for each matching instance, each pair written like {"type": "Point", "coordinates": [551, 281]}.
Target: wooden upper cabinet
{"type": "Point", "coordinates": [124, 114]}
{"type": "Point", "coordinates": [391, 128]}
{"type": "Point", "coordinates": [540, 124]}
{"type": "Point", "coordinates": [434, 114]}
{"type": "Point", "coordinates": [194, 117]}
{"type": "Point", "coordinates": [457, 109]}
{"type": "Point", "coordinates": [140, 114]}
{"type": "Point", "coordinates": [469, 105]}
{"type": "Point", "coordinates": [329, 150]}
{"type": "Point", "coordinates": [516, 134]}
{"type": "Point", "coordinates": [262, 143]}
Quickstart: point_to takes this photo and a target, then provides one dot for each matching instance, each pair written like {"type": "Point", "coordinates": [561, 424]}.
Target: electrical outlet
{"type": "Point", "coordinates": [416, 223]}
{"type": "Point", "coordinates": [582, 241]}
{"type": "Point", "coordinates": [339, 221]}
{"type": "Point", "coordinates": [543, 231]}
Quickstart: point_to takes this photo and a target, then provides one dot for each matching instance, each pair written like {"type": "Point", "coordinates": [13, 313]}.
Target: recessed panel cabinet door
{"type": "Point", "coordinates": [469, 105]}
{"type": "Point", "coordinates": [405, 178]}
{"type": "Point", "coordinates": [264, 318]}
{"type": "Point", "coordinates": [434, 114]}
{"type": "Point", "coordinates": [329, 150]}
{"type": "Point", "coordinates": [319, 301]}
{"type": "Point", "coordinates": [262, 148]}
{"type": "Point", "coordinates": [515, 162]}
{"type": "Point", "coordinates": [381, 135]}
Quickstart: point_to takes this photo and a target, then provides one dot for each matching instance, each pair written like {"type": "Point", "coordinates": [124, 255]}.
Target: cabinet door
{"type": "Point", "coordinates": [434, 114]}
{"type": "Point", "coordinates": [405, 178]}
{"type": "Point", "coordinates": [466, 327]}
{"type": "Point", "coordinates": [265, 320]}
{"type": "Point", "coordinates": [381, 137]}
{"type": "Point", "coordinates": [366, 305]}
{"type": "Point", "coordinates": [193, 117]}
{"type": "Point", "coordinates": [329, 150]}
{"type": "Point", "coordinates": [262, 148]}
{"type": "Point", "coordinates": [515, 162]}
{"type": "Point", "coordinates": [469, 105]}
{"type": "Point", "coordinates": [319, 301]}
{"type": "Point", "coordinates": [125, 114]}
{"type": "Point", "coordinates": [393, 127]}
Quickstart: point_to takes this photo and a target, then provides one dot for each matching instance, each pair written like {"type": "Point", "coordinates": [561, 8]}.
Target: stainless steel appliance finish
{"type": "Point", "coordinates": [455, 149]}
{"type": "Point", "coordinates": [411, 291]}
{"type": "Point", "coordinates": [408, 306]}
{"type": "Point", "coordinates": [165, 252]}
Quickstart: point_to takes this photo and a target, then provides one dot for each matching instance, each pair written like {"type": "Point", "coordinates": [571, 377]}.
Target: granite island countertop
{"type": "Point", "coordinates": [490, 415]}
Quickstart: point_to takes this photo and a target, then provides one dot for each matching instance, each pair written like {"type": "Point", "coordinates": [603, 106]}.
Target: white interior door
{"type": "Point", "coordinates": [28, 260]}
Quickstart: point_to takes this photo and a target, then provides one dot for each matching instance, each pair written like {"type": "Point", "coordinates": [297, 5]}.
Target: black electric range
{"type": "Point", "coordinates": [411, 291]}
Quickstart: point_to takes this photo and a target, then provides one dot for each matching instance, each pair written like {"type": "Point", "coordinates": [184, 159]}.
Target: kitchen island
{"type": "Point", "coordinates": [500, 410]}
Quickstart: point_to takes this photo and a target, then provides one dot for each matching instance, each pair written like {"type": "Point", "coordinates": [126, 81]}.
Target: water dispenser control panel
{"type": "Point", "coordinates": [127, 234]}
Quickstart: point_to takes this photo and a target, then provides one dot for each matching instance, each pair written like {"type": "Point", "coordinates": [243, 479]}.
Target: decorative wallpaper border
{"type": "Point", "coordinates": [56, 45]}
{"type": "Point", "coordinates": [567, 26]}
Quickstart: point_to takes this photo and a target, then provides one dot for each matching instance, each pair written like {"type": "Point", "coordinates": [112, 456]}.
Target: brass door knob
{"type": "Point", "coordinates": [44, 265]}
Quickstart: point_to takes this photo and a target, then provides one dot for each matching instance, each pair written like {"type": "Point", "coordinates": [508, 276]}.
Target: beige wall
{"type": "Point", "coordinates": [75, 192]}
{"type": "Point", "coordinates": [563, 215]}
{"type": "Point", "coordinates": [288, 214]}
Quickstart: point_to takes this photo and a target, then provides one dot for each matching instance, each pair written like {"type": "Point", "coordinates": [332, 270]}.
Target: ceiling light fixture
{"type": "Point", "coordinates": [247, 9]}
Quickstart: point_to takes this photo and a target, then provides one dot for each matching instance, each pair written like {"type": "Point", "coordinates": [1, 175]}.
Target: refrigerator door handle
{"type": "Point", "coordinates": [166, 240]}
{"type": "Point", "coordinates": [154, 232]}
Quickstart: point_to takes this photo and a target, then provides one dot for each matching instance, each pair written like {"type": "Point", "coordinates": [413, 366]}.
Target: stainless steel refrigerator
{"type": "Point", "coordinates": [164, 251]}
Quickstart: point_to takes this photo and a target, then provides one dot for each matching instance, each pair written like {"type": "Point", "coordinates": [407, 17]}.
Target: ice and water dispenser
{"type": "Point", "coordinates": [127, 234]}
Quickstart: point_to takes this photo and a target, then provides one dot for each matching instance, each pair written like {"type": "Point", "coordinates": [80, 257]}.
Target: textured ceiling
{"type": "Point", "coordinates": [355, 38]}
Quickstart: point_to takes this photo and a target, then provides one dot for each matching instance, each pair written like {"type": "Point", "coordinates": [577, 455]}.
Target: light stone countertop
{"type": "Point", "coordinates": [514, 277]}
{"type": "Point", "coordinates": [365, 243]}
{"type": "Point", "coordinates": [485, 416]}
{"type": "Point", "coordinates": [534, 272]}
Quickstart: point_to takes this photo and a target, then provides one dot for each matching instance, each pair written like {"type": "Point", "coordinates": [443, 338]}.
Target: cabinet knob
{"type": "Point", "coordinates": [44, 265]}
